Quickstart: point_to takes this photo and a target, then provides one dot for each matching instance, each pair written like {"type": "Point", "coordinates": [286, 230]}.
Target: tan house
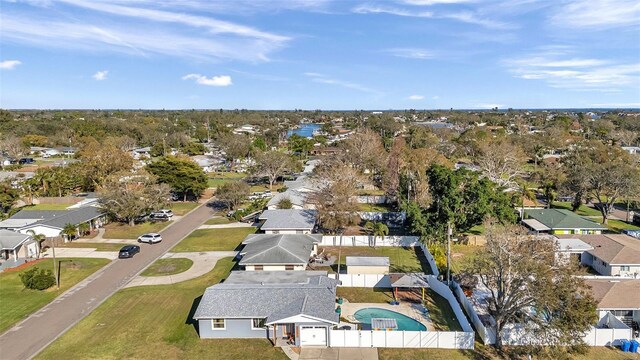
{"type": "Point", "coordinates": [611, 254]}
{"type": "Point", "coordinates": [367, 265]}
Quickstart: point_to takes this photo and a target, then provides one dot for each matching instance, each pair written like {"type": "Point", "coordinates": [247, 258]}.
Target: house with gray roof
{"type": "Point", "coordinates": [278, 252]}
{"type": "Point", "coordinates": [51, 222]}
{"type": "Point", "coordinates": [15, 246]}
{"type": "Point", "coordinates": [288, 221]}
{"type": "Point", "coordinates": [611, 254]}
{"type": "Point", "coordinates": [559, 221]}
{"type": "Point", "coordinates": [297, 310]}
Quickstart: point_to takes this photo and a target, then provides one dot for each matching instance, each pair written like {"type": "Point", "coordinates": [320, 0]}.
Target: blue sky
{"type": "Point", "coordinates": [319, 54]}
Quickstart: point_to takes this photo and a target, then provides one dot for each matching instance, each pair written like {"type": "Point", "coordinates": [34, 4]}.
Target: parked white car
{"type": "Point", "coordinates": [150, 238]}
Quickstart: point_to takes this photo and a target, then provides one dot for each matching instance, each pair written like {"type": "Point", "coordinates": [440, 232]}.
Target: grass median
{"type": "Point", "coordinates": [154, 322]}
{"type": "Point", "coordinates": [16, 302]}
{"type": "Point", "coordinates": [213, 239]}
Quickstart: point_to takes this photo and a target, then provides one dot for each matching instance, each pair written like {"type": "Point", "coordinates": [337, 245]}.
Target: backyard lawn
{"type": "Point", "coordinates": [154, 322]}
{"type": "Point", "coordinates": [402, 259]}
{"type": "Point", "coordinates": [97, 246]}
{"type": "Point", "coordinates": [619, 225]}
{"type": "Point", "coordinates": [124, 231]}
{"type": "Point", "coordinates": [584, 210]}
{"type": "Point", "coordinates": [364, 295]}
{"type": "Point", "coordinates": [213, 239]}
{"type": "Point", "coordinates": [170, 266]}
{"type": "Point", "coordinates": [217, 221]}
{"type": "Point", "coordinates": [18, 302]}
{"type": "Point", "coordinates": [181, 208]}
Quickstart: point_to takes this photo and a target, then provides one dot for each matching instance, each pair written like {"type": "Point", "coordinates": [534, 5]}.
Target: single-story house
{"type": "Point", "coordinates": [633, 150]}
{"type": "Point", "coordinates": [619, 297]}
{"type": "Point", "coordinates": [571, 248]}
{"type": "Point", "coordinates": [288, 221]}
{"type": "Point", "coordinates": [141, 152]}
{"type": "Point", "coordinates": [367, 264]}
{"type": "Point", "coordinates": [51, 222]}
{"type": "Point", "coordinates": [68, 151]}
{"type": "Point", "coordinates": [559, 221]}
{"type": "Point", "coordinates": [15, 245]}
{"type": "Point", "coordinates": [611, 254]}
{"type": "Point", "coordinates": [278, 252]}
{"type": "Point", "coordinates": [289, 310]}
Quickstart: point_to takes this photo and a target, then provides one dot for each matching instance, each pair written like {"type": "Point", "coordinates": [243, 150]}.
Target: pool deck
{"type": "Point", "coordinates": [414, 311]}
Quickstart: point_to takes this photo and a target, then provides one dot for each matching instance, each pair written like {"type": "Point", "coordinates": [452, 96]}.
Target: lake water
{"type": "Point", "coordinates": [305, 130]}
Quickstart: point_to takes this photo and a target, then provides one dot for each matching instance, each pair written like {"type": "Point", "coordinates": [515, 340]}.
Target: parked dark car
{"type": "Point", "coordinates": [25, 161]}
{"type": "Point", "coordinates": [128, 251]}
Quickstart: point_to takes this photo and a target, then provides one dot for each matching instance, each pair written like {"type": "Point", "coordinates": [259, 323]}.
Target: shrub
{"type": "Point", "coordinates": [37, 279]}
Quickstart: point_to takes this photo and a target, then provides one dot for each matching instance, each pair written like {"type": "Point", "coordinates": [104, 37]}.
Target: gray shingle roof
{"type": "Point", "coordinates": [367, 261]}
{"type": "Point", "coordinates": [9, 240]}
{"type": "Point", "coordinates": [278, 249]}
{"type": "Point", "coordinates": [289, 219]}
{"type": "Point", "coordinates": [271, 301]}
{"type": "Point", "coordinates": [272, 277]}
{"type": "Point", "coordinates": [58, 218]}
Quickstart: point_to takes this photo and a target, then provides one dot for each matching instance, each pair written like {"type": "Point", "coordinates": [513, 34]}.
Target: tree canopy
{"type": "Point", "coordinates": [183, 175]}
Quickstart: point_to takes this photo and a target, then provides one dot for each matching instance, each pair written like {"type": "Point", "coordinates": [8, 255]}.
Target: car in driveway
{"type": "Point", "coordinates": [164, 212]}
{"type": "Point", "coordinates": [150, 238]}
{"type": "Point", "coordinates": [128, 251]}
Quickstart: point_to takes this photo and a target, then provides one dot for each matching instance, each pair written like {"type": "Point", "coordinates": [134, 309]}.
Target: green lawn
{"type": "Point", "coordinates": [46, 207]}
{"type": "Point", "coordinates": [401, 259]}
{"type": "Point", "coordinates": [97, 246]}
{"type": "Point", "coordinates": [154, 322]}
{"type": "Point", "coordinates": [181, 208]}
{"type": "Point", "coordinates": [217, 221]}
{"type": "Point", "coordinates": [364, 295]}
{"type": "Point", "coordinates": [374, 207]}
{"type": "Point", "coordinates": [584, 210]}
{"type": "Point", "coordinates": [17, 302]}
{"type": "Point", "coordinates": [213, 239]}
{"type": "Point", "coordinates": [461, 255]}
{"type": "Point", "coordinates": [218, 179]}
{"type": "Point", "coordinates": [170, 266]}
{"type": "Point", "coordinates": [124, 231]}
{"type": "Point", "coordinates": [619, 225]}
{"type": "Point", "coordinates": [440, 312]}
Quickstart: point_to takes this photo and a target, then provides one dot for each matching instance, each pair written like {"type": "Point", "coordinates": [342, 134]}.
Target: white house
{"type": "Point", "coordinates": [51, 222]}
{"type": "Point", "coordinates": [610, 254]}
{"type": "Point", "coordinates": [278, 252]}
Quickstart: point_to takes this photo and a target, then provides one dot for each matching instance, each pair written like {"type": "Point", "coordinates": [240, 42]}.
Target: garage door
{"type": "Point", "coordinates": [313, 335]}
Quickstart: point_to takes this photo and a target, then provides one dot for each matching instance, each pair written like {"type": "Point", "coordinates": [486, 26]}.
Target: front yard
{"type": "Point", "coordinates": [214, 239]}
{"type": "Point", "coordinates": [124, 231]}
{"type": "Point", "coordinates": [402, 259]}
{"type": "Point", "coordinates": [154, 322]}
{"type": "Point", "coordinates": [16, 302]}
{"type": "Point", "coordinates": [181, 208]}
{"type": "Point", "coordinates": [170, 266]}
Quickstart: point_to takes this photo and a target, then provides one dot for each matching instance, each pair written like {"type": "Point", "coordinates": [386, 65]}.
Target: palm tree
{"type": "Point", "coordinates": [376, 229]}
{"type": "Point", "coordinates": [525, 194]}
{"type": "Point", "coordinates": [40, 238]}
{"type": "Point", "coordinates": [84, 228]}
{"type": "Point", "coordinates": [69, 231]}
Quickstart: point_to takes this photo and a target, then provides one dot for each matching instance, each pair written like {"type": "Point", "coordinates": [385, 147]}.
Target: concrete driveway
{"type": "Point", "coordinates": [338, 353]}
{"type": "Point", "coordinates": [203, 262]}
{"type": "Point", "coordinates": [81, 253]}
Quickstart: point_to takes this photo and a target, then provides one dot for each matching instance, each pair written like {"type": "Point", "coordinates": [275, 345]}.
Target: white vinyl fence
{"type": "Point", "coordinates": [607, 337]}
{"type": "Point", "coordinates": [488, 335]}
{"type": "Point", "coordinates": [365, 240]}
{"type": "Point", "coordinates": [401, 339]}
{"type": "Point", "coordinates": [364, 280]}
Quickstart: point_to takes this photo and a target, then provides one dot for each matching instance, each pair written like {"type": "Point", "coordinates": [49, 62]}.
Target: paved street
{"type": "Point", "coordinates": [32, 335]}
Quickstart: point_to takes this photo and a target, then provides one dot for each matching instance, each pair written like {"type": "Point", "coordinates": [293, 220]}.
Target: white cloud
{"type": "Point", "coordinates": [413, 53]}
{"type": "Point", "coordinates": [370, 9]}
{"type": "Point", "coordinates": [155, 32]}
{"type": "Point", "coordinates": [9, 64]}
{"type": "Point", "coordinates": [600, 14]}
{"type": "Point", "coordinates": [222, 80]}
{"type": "Point", "coordinates": [560, 69]}
{"type": "Point", "coordinates": [416, 97]}
{"type": "Point", "coordinates": [323, 79]}
{"type": "Point", "coordinates": [101, 75]}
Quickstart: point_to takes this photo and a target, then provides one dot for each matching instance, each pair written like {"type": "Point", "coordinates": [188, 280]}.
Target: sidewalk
{"type": "Point", "coordinates": [203, 262]}
{"type": "Point", "coordinates": [81, 253]}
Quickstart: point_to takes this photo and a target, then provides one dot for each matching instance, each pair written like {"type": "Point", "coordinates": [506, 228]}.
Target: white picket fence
{"type": "Point", "coordinates": [401, 339]}
{"type": "Point", "coordinates": [365, 240]}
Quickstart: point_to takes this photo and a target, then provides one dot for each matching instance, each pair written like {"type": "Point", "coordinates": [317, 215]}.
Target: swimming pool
{"type": "Point", "coordinates": [404, 322]}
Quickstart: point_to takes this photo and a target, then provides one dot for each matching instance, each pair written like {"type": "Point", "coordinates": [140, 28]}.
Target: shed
{"type": "Point", "coordinates": [367, 265]}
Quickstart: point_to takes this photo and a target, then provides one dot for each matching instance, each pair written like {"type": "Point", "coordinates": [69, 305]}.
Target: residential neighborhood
{"type": "Point", "coordinates": [320, 180]}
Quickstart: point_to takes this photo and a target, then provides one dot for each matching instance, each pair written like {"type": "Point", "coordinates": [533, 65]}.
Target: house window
{"type": "Point", "coordinates": [258, 267]}
{"type": "Point", "coordinates": [626, 313]}
{"type": "Point", "coordinates": [625, 268]}
{"type": "Point", "coordinates": [257, 323]}
{"type": "Point", "coordinates": [288, 267]}
{"type": "Point", "coordinates": [218, 324]}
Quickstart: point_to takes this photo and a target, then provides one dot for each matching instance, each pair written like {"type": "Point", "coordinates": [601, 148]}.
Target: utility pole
{"type": "Point", "coordinates": [449, 232]}
{"type": "Point", "coordinates": [56, 269]}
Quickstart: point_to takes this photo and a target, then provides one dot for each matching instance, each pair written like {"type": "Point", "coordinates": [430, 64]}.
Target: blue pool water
{"type": "Point", "coordinates": [305, 130]}
{"type": "Point", "coordinates": [404, 322]}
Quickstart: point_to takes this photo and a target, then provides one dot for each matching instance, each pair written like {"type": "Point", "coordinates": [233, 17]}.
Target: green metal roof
{"type": "Point", "coordinates": [562, 219]}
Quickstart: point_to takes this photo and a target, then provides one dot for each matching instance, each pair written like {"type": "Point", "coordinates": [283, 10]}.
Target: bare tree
{"type": "Point", "coordinates": [14, 147]}
{"type": "Point", "coordinates": [272, 164]}
{"type": "Point", "coordinates": [365, 151]}
{"type": "Point", "coordinates": [528, 286]}
{"type": "Point", "coordinates": [502, 162]}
